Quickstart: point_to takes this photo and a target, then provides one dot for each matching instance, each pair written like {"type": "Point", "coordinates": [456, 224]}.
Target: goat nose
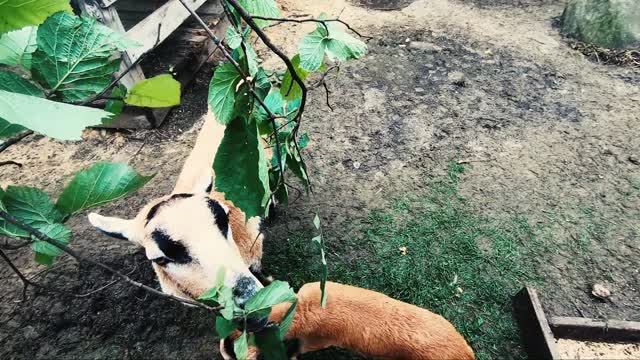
{"type": "Point", "coordinates": [243, 289]}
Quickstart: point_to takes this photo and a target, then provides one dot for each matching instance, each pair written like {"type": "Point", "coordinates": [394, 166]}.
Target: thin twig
{"type": "Point", "coordinates": [25, 282]}
{"type": "Point", "coordinates": [80, 258]}
{"type": "Point", "coordinates": [320, 21]}
{"type": "Point", "coordinates": [327, 92]}
{"type": "Point", "coordinates": [122, 74]}
{"type": "Point", "coordinates": [14, 139]}
{"type": "Point", "coordinates": [10, 162]}
{"type": "Point", "coordinates": [241, 72]}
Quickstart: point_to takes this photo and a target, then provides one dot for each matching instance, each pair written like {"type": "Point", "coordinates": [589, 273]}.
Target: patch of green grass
{"type": "Point", "coordinates": [458, 264]}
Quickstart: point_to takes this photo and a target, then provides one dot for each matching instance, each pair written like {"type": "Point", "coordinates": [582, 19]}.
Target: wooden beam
{"type": "Point", "coordinates": [171, 15]}
{"type": "Point", "coordinates": [110, 18]}
{"type": "Point", "coordinates": [534, 328]}
{"type": "Point", "coordinates": [595, 330]}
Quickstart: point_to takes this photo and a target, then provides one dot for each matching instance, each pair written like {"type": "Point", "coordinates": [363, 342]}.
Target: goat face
{"type": "Point", "coordinates": [189, 241]}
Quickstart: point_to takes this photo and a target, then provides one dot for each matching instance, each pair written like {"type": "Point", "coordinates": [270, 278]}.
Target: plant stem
{"type": "Point", "coordinates": [80, 258]}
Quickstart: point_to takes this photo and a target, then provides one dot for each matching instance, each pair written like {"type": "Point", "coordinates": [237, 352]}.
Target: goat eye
{"type": "Point", "coordinates": [162, 260]}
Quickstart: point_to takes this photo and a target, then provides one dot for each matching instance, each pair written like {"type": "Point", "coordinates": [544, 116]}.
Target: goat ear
{"type": "Point", "coordinates": [113, 226]}
{"type": "Point", "coordinates": [203, 185]}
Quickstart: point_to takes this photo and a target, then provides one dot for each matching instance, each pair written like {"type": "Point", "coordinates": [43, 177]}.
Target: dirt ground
{"type": "Point", "coordinates": [546, 134]}
{"type": "Point", "coordinates": [573, 349]}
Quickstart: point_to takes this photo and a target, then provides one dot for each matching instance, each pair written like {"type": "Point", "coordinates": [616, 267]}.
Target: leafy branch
{"type": "Point", "coordinates": [40, 236]}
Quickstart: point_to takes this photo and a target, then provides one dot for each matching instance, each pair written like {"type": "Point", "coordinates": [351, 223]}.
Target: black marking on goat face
{"type": "Point", "coordinates": [114, 235]}
{"type": "Point", "coordinates": [221, 217]}
{"type": "Point", "coordinates": [172, 250]}
{"type": "Point", "coordinates": [155, 208]}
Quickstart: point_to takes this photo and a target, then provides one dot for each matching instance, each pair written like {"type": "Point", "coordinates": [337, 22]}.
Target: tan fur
{"type": "Point", "coordinates": [372, 324]}
{"type": "Point", "coordinates": [194, 225]}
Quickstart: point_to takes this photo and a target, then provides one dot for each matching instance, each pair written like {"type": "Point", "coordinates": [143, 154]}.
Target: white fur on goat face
{"type": "Point", "coordinates": [189, 241]}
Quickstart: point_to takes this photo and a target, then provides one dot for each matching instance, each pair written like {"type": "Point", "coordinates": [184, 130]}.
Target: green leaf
{"type": "Point", "coordinates": [241, 167]}
{"type": "Point", "coordinates": [277, 292]}
{"type": "Point", "coordinates": [252, 59]}
{"type": "Point", "coordinates": [337, 44]}
{"type": "Point", "coordinates": [270, 345]}
{"type": "Point", "coordinates": [297, 166]}
{"type": "Point", "coordinates": [290, 88]}
{"type": "Point", "coordinates": [222, 92]}
{"type": "Point", "coordinates": [101, 183]}
{"type": "Point", "coordinates": [31, 206]}
{"type": "Point", "coordinates": [55, 231]}
{"type": "Point", "coordinates": [240, 347]}
{"type": "Point", "coordinates": [7, 228]}
{"type": "Point", "coordinates": [17, 47]}
{"type": "Point", "coordinates": [316, 222]}
{"type": "Point", "coordinates": [266, 8]}
{"type": "Point", "coordinates": [224, 327]}
{"type": "Point", "coordinates": [303, 141]}
{"type": "Point", "coordinates": [54, 119]}
{"type": "Point", "coordinates": [262, 84]}
{"type": "Point", "coordinates": [116, 105]}
{"type": "Point", "coordinates": [73, 59]}
{"type": "Point", "coordinates": [158, 91]}
{"type": "Point", "coordinates": [44, 259]}
{"type": "Point", "coordinates": [8, 129]}
{"type": "Point", "coordinates": [342, 46]}
{"type": "Point", "coordinates": [275, 103]}
{"type": "Point", "coordinates": [10, 81]}
{"type": "Point", "coordinates": [312, 48]}
{"type": "Point", "coordinates": [287, 320]}
{"type": "Point", "coordinates": [233, 38]}
{"type": "Point", "coordinates": [17, 14]}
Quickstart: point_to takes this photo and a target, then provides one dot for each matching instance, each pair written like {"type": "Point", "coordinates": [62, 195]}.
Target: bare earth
{"type": "Point", "coordinates": [547, 134]}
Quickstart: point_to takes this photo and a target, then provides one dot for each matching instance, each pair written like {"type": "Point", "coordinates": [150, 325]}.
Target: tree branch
{"type": "Point", "coordinates": [320, 21]}
{"type": "Point", "coordinates": [14, 139]}
{"type": "Point", "coordinates": [25, 282]}
{"type": "Point", "coordinates": [243, 75]}
{"type": "Point", "coordinates": [80, 258]}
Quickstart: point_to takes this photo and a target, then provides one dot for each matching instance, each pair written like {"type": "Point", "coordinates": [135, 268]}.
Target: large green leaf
{"type": "Point", "coordinates": [222, 92]}
{"type": "Point", "coordinates": [241, 167]}
{"type": "Point", "coordinates": [312, 49]}
{"type": "Point", "coordinates": [10, 81]}
{"type": "Point", "coordinates": [270, 345]}
{"type": "Point", "coordinates": [224, 327]}
{"type": "Point", "coordinates": [31, 206]}
{"type": "Point", "coordinates": [158, 91]}
{"type": "Point", "coordinates": [17, 14]}
{"type": "Point", "coordinates": [267, 8]}
{"type": "Point", "coordinates": [337, 44]}
{"type": "Point", "coordinates": [275, 103]}
{"type": "Point", "coordinates": [54, 119]}
{"type": "Point", "coordinates": [17, 47]}
{"type": "Point", "coordinates": [290, 88]}
{"type": "Point", "coordinates": [13, 82]}
{"type": "Point", "coordinates": [277, 292]}
{"type": "Point", "coordinates": [287, 320]}
{"type": "Point", "coordinates": [101, 183]}
{"type": "Point", "coordinates": [45, 252]}
{"type": "Point", "coordinates": [73, 59]}
{"type": "Point", "coordinates": [233, 38]}
{"type": "Point", "coordinates": [7, 228]}
{"type": "Point", "coordinates": [240, 347]}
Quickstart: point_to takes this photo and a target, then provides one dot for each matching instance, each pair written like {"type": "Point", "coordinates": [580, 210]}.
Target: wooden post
{"type": "Point", "coordinates": [534, 328]}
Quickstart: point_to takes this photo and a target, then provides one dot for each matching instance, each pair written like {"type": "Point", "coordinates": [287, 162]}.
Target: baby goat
{"type": "Point", "coordinates": [367, 322]}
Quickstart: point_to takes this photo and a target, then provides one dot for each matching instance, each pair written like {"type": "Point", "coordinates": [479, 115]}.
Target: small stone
{"type": "Point", "coordinates": [634, 160]}
{"type": "Point", "coordinates": [600, 291]}
{"type": "Point", "coordinates": [356, 164]}
{"type": "Point", "coordinates": [457, 78]}
{"type": "Point", "coordinates": [403, 250]}
{"type": "Point", "coordinates": [418, 90]}
{"type": "Point", "coordinates": [424, 46]}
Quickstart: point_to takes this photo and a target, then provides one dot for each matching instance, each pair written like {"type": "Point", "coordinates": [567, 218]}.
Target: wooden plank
{"type": "Point", "coordinates": [534, 328]}
{"type": "Point", "coordinates": [171, 15]}
{"type": "Point", "coordinates": [209, 8]}
{"type": "Point", "coordinates": [595, 330]}
{"type": "Point", "coordinates": [110, 18]}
